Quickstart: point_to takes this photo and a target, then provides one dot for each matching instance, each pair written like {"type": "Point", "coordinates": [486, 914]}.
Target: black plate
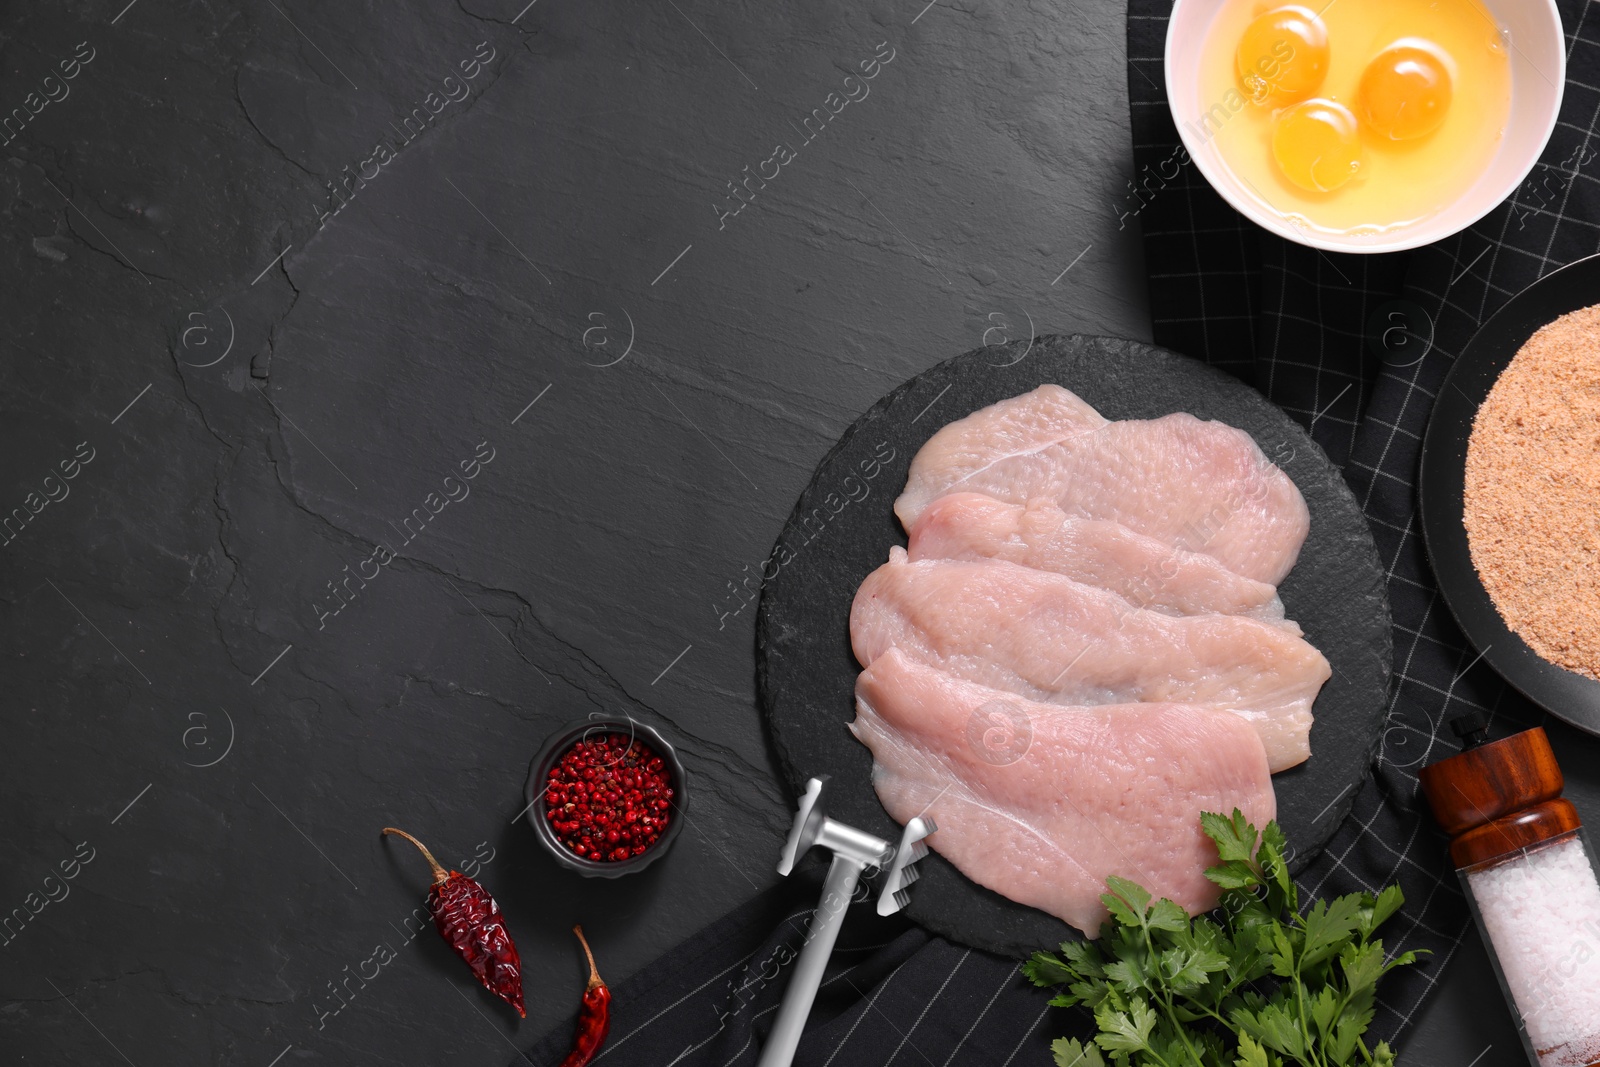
{"type": "Point", "coordinates": [843, 526]}
{"type": "Point", "coordinates": [1442, 487]}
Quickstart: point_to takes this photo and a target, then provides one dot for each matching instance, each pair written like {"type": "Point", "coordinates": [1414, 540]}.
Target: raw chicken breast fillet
{"type": "Point", "coordinates": [1143, 571]}
{"type": "Point", "coordinates": [1054, 640]}
{"type": "Point", "coordinates": [1041, 803]}
{"type": "Point", "coordinates": [1013, 427]}
{"type": "Point", "coordinates": [1196, 485]}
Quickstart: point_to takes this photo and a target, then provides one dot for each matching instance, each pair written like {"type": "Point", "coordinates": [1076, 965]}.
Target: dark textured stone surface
{"type": "Point", "coordinates": [840, 532]}
{"type": "Point", "coordinates": [191, 151]}
{"type": "Point", "coordinates": [143, 215]}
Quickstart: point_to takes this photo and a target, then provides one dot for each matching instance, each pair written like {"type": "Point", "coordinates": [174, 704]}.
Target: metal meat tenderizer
{"type": "Point", "coordinates": [853, 851]}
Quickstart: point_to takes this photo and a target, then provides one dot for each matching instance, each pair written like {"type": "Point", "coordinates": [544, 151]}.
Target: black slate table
{"type": "Point", "coordinates": [443, 370]}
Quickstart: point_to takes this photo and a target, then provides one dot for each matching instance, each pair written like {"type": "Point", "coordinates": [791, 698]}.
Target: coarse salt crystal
{"type": "Point", "coordinates": [1542, 913]}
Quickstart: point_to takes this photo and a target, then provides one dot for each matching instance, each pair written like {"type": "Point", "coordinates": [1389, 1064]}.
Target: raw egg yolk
{"type": "Point", "coordinates": [1405, 91]}
{"type": "Point", "coordinates": [1317, 144]}
{"type": "Point", "coordinates": [1283, 55]}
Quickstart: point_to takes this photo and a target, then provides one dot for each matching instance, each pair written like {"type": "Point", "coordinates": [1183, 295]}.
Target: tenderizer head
{"type": "Point", "coordinates": [902, 872]}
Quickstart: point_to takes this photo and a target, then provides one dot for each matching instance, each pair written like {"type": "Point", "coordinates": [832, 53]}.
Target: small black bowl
{"type": "Point", "coordinates": [1441, 491]}
{"type": "Point", "coordinates": [555, 748]}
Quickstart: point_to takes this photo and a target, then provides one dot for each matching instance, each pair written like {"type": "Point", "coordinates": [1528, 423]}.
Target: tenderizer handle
{"type": "Point", "coordinates": [837, 890]}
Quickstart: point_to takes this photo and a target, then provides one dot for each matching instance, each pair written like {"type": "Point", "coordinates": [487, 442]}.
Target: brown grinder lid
{"type": "Point", "coordinates": [1497, 797]}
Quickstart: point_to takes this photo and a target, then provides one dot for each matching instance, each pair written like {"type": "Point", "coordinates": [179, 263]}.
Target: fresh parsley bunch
{"type": "Point", "coordinates": [1264, 987]}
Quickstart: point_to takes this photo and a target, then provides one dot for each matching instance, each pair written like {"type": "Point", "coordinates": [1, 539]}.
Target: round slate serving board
{"type": "Point", "coordinates": [844, 524]}
{"type": "Point", "coordinates": [1442, 486]}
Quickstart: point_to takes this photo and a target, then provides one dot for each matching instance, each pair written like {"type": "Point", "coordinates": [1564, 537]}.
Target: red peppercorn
{"type": "Point", "coordinates": [607, 798]}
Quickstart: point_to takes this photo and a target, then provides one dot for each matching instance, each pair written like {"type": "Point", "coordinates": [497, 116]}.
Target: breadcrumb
{"type": "Point", "coordinates": [1532, 507]}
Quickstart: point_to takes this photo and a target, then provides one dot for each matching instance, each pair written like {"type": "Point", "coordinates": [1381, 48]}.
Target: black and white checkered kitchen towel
{"type": "Point", "coordinates": [1355, 347]}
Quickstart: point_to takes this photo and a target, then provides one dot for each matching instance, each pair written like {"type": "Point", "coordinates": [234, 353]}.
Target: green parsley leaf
{"type": "Point", "coordinates": [1069, 1052]}
{"type": "Point", "coordinates": [1405, 959]}
{"type": "Point", "coordinates": [1347, 1032]}
{"type": "Point", "coordinates": [1083, 957]}
{"type": "Point", "coordinates": [1187, 969]}
{"type": "Point", "coordinates": [1386, 905]}
{"type": "Point", "coordinates": [1324, 1009]}
{"type": "Point", "coordinates": [1165, 915]}
{"type": "Point", "coordinates": [1127, 1031]}
{"type": "Point", "coordinates": [1045, 970]}
{"type": "Point", "coordinates": [1274, 1027]}
{"type": "Point", "coordinates": [1362, 965]}
{"type": "Point", "coordinates": [1328, 927]}
{"type": "Point", "coordinates": [1133, 898]}
{"type": "Point", "coordinates": [1128, 975]}
{"type": "Point", "coordinates": [1088, 993]}
{"type": "Point", "coordinates": [1235, 837]}
{"type": "Point", "coordinates": [1235, 874]}
{"type": "Point", "coordinates": [1283, 952]}
{"type": "Point", "coordinates": [1256, 984]}
{"type": "Point", "coordinates": [1250, 1053]}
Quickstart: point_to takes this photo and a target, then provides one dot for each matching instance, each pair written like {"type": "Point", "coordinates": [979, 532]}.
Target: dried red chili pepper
{"type": "Point", "coordinates": [469, 920]}
{"type": "Point", "coordinates": [594, 1017]}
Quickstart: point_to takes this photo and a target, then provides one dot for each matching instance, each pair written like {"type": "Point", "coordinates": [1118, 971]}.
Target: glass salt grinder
{"type": "Point", "coordinates": [1528, 873]}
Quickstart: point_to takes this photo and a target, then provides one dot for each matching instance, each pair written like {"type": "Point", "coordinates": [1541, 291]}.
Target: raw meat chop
{"type": "Point", "coordinates": [1196, 485]}
{"type": "Point", "coordinates": [1143, 571]}
{"type": "Point", "coordinates": [1041, 803]}
{"type": "Point", "coordinates": [1017, 426]}
{"type": "Point", "coordinates": [1054, 640]}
